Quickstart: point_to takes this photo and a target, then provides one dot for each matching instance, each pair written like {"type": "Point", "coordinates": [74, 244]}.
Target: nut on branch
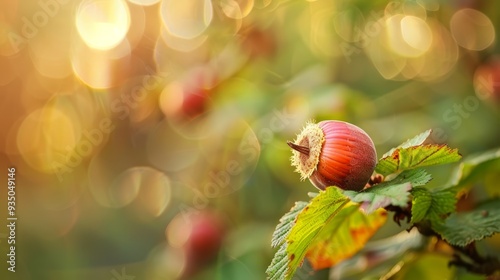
{"type": "Point", "coordinates": [334, 153]}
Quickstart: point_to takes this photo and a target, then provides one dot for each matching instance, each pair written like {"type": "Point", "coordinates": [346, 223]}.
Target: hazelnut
{"type": "Point", "coordinates": [334, 153]}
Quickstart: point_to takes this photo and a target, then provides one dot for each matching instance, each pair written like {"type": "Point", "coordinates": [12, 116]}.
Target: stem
{"type": "Point", "coordinates": [301, 149]}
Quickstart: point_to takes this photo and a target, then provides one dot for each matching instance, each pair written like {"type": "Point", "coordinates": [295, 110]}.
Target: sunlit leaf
{"type": "Point", "coordinates": [344, 235]}
{"type": "Point", "coordinates": [394, 192]}
{"type": "Point", "coordinates": [413, 153]}
{"type": "Point", "coordinates": [377, 257]}
{"type": "Point", "coordinates": [310, 222]}
{"type": "Point", "coordinates": [416, 156]}
{"type": "Point", "coordinates": [305, 225]}
{"type": "Point", "coordinates": [475, 166]}
{"type": "Point", "coordinates": [286, 222]}
{"type": "Point", "coordinates": [432, 205]}
{"type": "Point", "coordinates": [415, 141]}
{"type": "Point", "coordinates": [463, 228]}
{"type": "Point", "coordinates": [327, 230]}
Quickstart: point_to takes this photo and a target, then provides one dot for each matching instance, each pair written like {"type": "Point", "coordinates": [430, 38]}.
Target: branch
{"type": "Point", "coordinates": [476, 264]}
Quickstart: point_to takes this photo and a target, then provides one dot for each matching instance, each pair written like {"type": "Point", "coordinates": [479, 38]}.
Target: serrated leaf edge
{"type": "Point", "coordinates": [286, 223]}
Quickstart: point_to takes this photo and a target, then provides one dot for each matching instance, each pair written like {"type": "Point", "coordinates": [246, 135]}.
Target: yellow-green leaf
{"type": "Point", "coordinates": [329, 229]}
{"type": "Point", "coordinates": [310, 222]}
{"type": "Point", "coordinates": [417, 156]}
{"type": "Point", "coordinates": [299, 227]}
{"type": "Point", "coordinates": [286, 222]}
{"type": "Point", "coordinates": [344, 235]}
{"type": "Point", "coordinates": [415, 141]}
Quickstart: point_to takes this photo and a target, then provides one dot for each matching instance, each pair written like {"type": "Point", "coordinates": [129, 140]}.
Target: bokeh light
{"type": "Point", "coordinates": [177, 155]}
{"type": "Point", "coordinates": [144, 2]}
{"type": "Point", "coordinates": [51, 56]}
{"type": "Point", "coordinates": [472, 29]}
{"type": "Point", "coordinates": [416, 33]}
{"type": "Point", "coordinates": [98, 68]}
{"type": "Point", "coordinates": [405, 44]}
{"type": "Point", "coordinates": [103, 24]}
{"type": "Point", "coordinates": [155, 190]}
{"type": "Point", "coordinates": [44, 136]}
{"type": "Point", "coordinates": [186, 19]}
{"type": "Point", "coordinates": [237, 9]}
{"type": "Point", "coordinates": [165, 262]}
{"type": "Point", "coordinates": [409, 36]}
{"type": "Point", "coordinates": [181, 44]}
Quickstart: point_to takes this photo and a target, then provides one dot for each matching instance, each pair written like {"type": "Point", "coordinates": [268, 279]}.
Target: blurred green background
{"type": "Point", "coordinates": [149, 137]}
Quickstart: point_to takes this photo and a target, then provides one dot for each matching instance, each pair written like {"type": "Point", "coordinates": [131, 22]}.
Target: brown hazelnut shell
{"type": "Point", "coordinates": [346, 158]}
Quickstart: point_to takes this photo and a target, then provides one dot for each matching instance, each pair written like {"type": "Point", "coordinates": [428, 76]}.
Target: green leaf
{"type": "Point", "coordinates": [278, 268]}
{"type": "Point", "coordinates": [344, 235]}
{"type": "Point", "coordinates": [470, 164]}
{"type": "Point", "coordinates": [474, 167]}
{"type": "Point", "coordinates": [413, 153]}
{"type": "Point", "coordinates": [327, 230]}
{"type": "Point", "coordinates": [286, 222]}
{"type": "Point", "coordinates": [421, 203]}
{"type": "Point", "coordinates": [279, 263]}
{"type": "Point", "coordinates": [432, 205]}
{"type": "Point", "coordinates": [416, 156]}
{"type": "Point", "coordinates": [463, 228]}
{"type": "Point", "coordinates": [309, 223]}
{"type": "Point", "coordinates": [394, 192]}
{"type": "Point", "coordinates": [415, 141]}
